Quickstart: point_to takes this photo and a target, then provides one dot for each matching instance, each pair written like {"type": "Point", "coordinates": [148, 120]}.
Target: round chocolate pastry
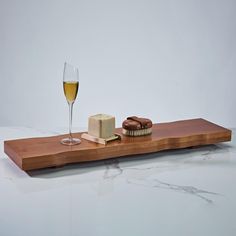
{"type": "Point", "coordinates": [136, 126]}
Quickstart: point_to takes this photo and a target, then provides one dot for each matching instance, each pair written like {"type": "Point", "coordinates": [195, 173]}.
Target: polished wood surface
{"type": "Point", "coordinates": [43, 152]}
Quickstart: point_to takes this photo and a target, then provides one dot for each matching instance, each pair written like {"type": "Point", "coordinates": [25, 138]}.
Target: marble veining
{"type": "Point", "coordinates": [156, 183]}
{"type": "Point", "coordinates": [114, 166]}
{"type": "Point", "coordinates": [113, 170]}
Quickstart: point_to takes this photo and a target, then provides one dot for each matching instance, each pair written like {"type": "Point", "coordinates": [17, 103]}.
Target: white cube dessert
{"type": "Point", "coordinates": [101, 126]}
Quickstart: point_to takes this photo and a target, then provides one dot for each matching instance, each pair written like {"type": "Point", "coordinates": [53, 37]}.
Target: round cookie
{"type": "Point", "coordinates": [136, 126]}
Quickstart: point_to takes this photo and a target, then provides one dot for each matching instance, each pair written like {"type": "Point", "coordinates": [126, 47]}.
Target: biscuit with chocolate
{"type": "Point", "coordinates": [136, 126]}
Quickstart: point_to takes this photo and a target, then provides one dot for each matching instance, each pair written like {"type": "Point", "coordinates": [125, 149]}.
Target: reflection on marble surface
{"type": "Point", "coordinates": [194, 185]}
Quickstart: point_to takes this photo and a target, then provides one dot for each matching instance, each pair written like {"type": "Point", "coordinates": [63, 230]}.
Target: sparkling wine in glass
{"type": "Point", "coordinates": [70, 86]}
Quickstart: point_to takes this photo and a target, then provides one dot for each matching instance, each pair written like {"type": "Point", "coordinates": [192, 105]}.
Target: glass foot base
{"type": "Point", "coordinates": [70, 141]}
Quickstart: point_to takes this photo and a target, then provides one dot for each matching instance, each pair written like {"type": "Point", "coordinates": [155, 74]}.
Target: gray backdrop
{"type": "Point", "coordinates": [166, 60]}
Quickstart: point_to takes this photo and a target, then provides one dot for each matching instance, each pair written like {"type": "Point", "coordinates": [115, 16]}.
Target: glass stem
{"type": "Point", "coordinates": [70, 118]}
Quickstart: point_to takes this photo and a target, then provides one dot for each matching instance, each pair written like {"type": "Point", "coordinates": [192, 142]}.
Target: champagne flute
{"type": "Point", "coordinates": [70, 86]}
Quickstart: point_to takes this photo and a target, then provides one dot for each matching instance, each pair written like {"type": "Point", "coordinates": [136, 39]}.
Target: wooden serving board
{"type": "Point", "coordinates": [36, 153]}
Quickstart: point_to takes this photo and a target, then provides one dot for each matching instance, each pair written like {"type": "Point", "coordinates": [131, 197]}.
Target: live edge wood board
{"type": "Point", "coordinates": [43, 152]}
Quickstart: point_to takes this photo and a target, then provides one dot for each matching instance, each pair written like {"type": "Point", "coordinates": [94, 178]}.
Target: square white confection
{"type": "Point", "coordinates": [101, 126]}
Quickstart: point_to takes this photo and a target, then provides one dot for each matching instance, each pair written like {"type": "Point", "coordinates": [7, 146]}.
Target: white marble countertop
{"type": "Point", "coordinates": [183, 192]}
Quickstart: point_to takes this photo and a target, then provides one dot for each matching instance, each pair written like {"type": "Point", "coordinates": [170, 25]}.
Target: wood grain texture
{"type": "Point", "coordinates": [43, 152]}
